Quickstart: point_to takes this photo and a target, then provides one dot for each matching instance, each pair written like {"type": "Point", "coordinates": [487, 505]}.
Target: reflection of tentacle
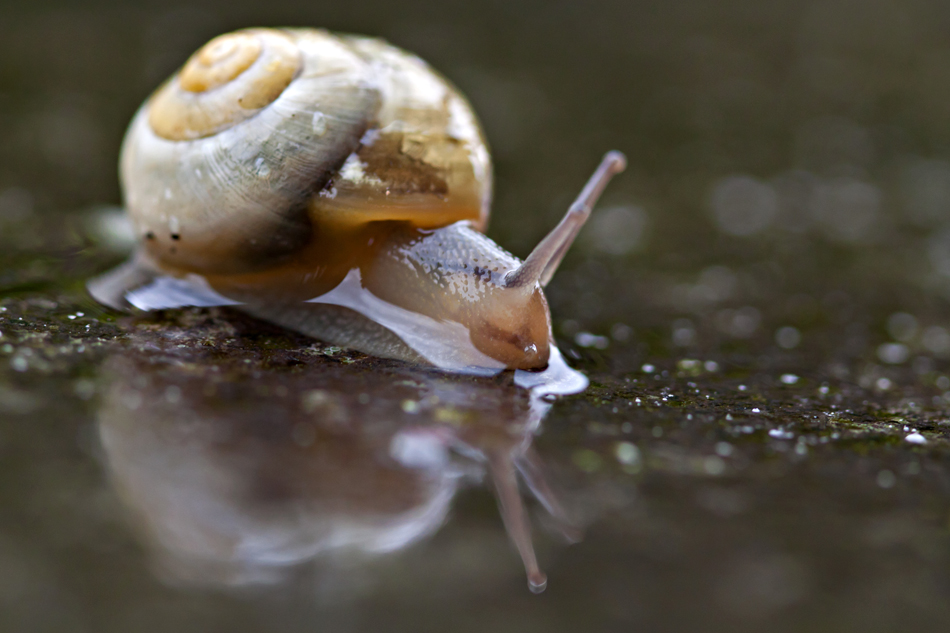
{"type": "Point", "coordinates": [230, 482]}
{"type": "Point", "coordinates": [514, 516]}
{"type": "Point", "coordinates": [532, 471]}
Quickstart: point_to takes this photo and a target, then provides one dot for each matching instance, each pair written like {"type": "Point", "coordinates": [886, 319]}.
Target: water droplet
{"type": "Point", "coordinates": [173, 394]}
{"type": "Point", "coordinates": [627, 454]}
{"type": "Point", "coordinates": [937, 341]}
{"type": "Point", "coordinates": [84, 389]}
{"type": "Point", "coordinates": [690, 366]}
{"type": "Point", "coordinates": [743, 205]}
{"type": "Point", "coordinates": [684, 333]}
{"type": "Point", "coordinates": [741, 323]}
{"type": "Point", "coordinates": [587, 460]}
{"type": "Point", "coordinates": [893, 353]}
{"type": "Point", "coordinates": [586, 339]}
{"type": "Point", "coordinates": [132, 400]}
{"type": "Point", "coordinates": [902, 326]}
{"type": "Point", "coordinates": [620, 332]}
{"type": "Point", "coordinates": [714, 465]}
{"type": "Point", "coordinates": [848, 209]}
{"type": "Point", "coordinates": [617, 230]}
{"type": "Point", "coordinates": [261, 167]}
{"type": "Point", "coordinates": [319, 124]}
{"type": "Point", "coordinates": [788, 337]}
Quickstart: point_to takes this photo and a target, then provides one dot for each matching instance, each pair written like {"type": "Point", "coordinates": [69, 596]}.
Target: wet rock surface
{"type": "Point", "coordinates": [761, 307]}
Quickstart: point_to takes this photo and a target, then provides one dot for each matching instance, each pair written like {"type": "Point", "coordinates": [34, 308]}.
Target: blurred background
{"type": "Point", "coordinates": [778, 146]}
{"type": "Point", "coordinates": [761, 302]}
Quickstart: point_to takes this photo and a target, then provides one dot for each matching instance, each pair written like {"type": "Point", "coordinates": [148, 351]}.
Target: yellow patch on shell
{"type": "Point", "coordinates": [220, 61]}
{"type": "Point", "coordinates": [226, 82]}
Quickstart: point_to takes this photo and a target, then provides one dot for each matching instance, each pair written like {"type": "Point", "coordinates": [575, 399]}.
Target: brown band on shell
{"type": "Point", "coordinates": [398, 161]}
{"type": "Point", "coordinates": [224, 83]}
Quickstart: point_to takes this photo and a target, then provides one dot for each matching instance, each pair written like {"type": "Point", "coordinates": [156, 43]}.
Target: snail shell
{"type": "Point", "coordinates": [266, 136]}
{"type": "Point", "coordinates": [338, 186]}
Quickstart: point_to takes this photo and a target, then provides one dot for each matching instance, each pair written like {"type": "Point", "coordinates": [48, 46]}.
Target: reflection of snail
{"type": "Point", "coordinates": [239, 485]}
{"type": "Point", "coordinates": [335, 185]}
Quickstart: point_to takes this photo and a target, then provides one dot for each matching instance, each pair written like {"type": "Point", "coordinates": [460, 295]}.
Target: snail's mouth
{"type": "Point", "coordinates": [516, 350]}
{"type": "Point", "coordinates": [536, 361]}
{"type": "Point", "coordinates": [535, 358]}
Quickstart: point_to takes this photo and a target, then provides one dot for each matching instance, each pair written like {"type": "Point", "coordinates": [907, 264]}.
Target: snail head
{"type": "Point", "coordinates": [456, 274]}
{"type": "Point", "coordinates": [518, 315]}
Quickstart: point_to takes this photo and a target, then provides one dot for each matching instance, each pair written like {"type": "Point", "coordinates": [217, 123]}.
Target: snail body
{"type": "Point", "coordinates": [338, 186]}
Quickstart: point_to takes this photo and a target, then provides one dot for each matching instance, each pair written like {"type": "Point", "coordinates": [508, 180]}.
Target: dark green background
{"type": "Point", "coordinates": [788, 169]}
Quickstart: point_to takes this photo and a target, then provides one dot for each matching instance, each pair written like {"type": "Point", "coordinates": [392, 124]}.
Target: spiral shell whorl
{"type": "Point", "coordinates": [234, 200]}
{"type": "Point", "coordinates": [269, 137]}
{"type": "Point", "coordinates": [227, 81]}
{"type": "Point", "coordinates": [220, 61]}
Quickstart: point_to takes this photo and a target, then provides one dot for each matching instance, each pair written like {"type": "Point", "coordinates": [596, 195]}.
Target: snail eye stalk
{"type": "Point", "coordinates": [543, 261]}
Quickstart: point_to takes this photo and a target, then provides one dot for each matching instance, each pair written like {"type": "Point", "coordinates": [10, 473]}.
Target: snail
{"type": "Point", "coordinates": [338, 186]}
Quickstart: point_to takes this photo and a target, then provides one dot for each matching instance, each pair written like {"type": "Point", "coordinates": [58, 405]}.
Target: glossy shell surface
{"type": "Point", "coordinates": [270, 139]}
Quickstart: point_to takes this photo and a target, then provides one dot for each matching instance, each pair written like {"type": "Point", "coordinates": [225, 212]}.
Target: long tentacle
{"type": "Point", "coordinates": [543, 261]}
